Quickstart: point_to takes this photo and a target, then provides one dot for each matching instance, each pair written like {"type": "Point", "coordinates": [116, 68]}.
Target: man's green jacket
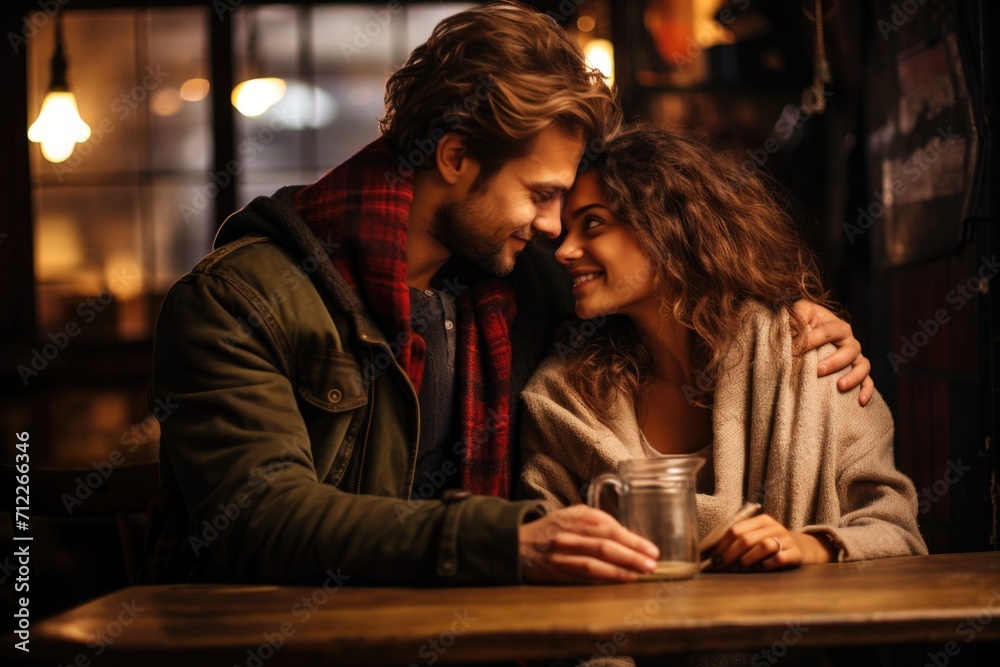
{"type": "Point", "coordinates": [290, 434]}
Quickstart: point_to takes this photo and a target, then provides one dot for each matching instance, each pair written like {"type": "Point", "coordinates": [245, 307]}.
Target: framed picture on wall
{"type": "Point", "coordinates": [923, 139]}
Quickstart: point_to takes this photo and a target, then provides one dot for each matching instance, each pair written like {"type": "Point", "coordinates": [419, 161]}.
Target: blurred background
{"type": "Point", "coordinates": [873, 119]}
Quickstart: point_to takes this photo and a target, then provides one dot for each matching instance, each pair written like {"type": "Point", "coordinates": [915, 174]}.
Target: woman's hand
{"type": "Point", "coordinates": [822, 326]}
{"type": "Point", "coordinates": [761, 543]}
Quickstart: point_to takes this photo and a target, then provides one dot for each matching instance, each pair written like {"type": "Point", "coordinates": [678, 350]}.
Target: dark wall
{"type": "Point", "coordinates": [924, 275]}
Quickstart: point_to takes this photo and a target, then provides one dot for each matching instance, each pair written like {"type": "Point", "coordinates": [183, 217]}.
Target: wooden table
{"type": "Point", "coordinates": [946, 598]}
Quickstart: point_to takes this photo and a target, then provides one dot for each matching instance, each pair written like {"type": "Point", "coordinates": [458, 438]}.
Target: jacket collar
{"type": "Point", "coordinates": [276, 218]}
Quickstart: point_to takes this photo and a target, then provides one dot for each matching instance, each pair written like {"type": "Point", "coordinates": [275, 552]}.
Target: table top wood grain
{"type": "Point", "coordinates": [914, 599]}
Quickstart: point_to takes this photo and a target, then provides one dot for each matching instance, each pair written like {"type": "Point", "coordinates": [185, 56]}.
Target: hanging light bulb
{"type": "Point", "coordinates": [257, 94]}
{"type": "Point", "coordinates": [58, 127]}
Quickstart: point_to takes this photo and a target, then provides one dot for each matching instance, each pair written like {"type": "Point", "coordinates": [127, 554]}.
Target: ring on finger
{"type": "Point", "coordinates": [778, 542]}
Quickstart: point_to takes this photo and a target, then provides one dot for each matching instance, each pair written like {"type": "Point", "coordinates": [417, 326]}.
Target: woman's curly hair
{"type": "Point", "coordinates": [716, 239]}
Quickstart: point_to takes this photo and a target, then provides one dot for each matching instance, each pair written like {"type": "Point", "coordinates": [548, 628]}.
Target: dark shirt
{"type": "Point", "coordinates": [433, 316]}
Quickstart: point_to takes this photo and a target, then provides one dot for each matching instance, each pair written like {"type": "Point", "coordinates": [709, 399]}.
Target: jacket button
{"type": "Point", "coordinates": [334, 395]}
{"type": "Point", "coordinates": [451, 495]}
{"type": "Point", "coordinates": [448, 566]}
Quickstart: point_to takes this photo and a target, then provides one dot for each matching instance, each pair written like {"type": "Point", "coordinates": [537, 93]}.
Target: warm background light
{"type": "Point", "coordinates": [601, 55]}
{"type": "Point", "coordinates": [166, 102]}
{"type": "Point", "coordinates": [123, 275]}
{"type": "Point", "coordinates": [195, 90]}
{"type": "Point", "coordinates": [59, 251]}
{"type": "Point", "coordinates": [254, 97]}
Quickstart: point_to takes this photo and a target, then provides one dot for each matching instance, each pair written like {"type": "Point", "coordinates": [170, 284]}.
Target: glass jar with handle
{"type": "Point", "coordinates": [656, 500]}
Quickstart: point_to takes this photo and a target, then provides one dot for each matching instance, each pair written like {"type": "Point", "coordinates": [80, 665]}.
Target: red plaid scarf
{"type": "Point", "coordinates": [354, 206]}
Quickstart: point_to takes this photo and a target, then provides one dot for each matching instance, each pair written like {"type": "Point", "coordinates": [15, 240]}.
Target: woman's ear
{"type": "Point", "coordinates": [452, 158]}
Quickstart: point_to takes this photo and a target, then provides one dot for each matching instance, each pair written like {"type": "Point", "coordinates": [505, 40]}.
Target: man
{"type": "Point", "coordinates": [346, 364]}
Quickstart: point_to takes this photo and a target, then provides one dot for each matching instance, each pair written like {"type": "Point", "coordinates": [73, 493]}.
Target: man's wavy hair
{"type": "Point", "coordinates": [716, 239]}
{"type": "Point", "coordinates": [498, 74]}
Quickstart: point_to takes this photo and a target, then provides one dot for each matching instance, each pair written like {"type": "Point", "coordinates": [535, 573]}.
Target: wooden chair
{"type": "Point", "coordinates": [122, 494]}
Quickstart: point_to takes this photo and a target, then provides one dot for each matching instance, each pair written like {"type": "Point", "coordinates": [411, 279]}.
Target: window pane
{"type": "Point", "coordinates": [180, 115]}
{"type": "Point", "coordinates": [355, 36]}
{"type": "Point", "coordinates": [264, 141]}
{"type": "Point", "coordinates": [359, 105]}
{"type": "Point", "coordinates": [421, 19]}
{"type": "Point", "coordinates": [125, 202]}
{"type": "Point", "coordinates": [89, 251]}
{"type": "Point", "coordinates": [183, 226]}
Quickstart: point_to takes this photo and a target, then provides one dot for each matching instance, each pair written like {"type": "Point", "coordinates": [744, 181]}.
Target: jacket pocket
{"type": "Point", "coordinates": [330, 380]}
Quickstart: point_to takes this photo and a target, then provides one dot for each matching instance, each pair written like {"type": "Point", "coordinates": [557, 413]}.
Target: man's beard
{"type": "Point", "coordinates": [458, 227]}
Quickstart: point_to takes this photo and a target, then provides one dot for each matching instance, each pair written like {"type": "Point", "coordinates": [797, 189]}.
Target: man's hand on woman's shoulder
{"type": "Point", "coordinates": [821, 327]}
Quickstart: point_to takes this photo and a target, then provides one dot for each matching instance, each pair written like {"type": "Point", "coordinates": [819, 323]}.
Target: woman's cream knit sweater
{"type": "Point", "coordinates": [809, 454]}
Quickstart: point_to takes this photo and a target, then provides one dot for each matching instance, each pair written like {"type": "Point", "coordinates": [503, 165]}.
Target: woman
{"type": "Point", "coordinates": [684, 269]}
